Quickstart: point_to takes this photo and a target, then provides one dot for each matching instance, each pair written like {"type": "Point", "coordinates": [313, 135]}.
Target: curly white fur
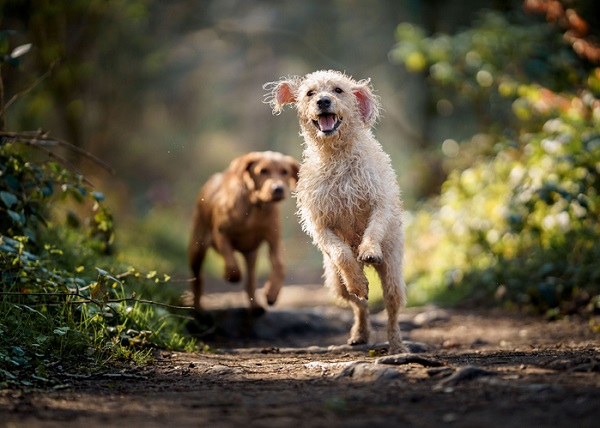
{"type": "Point", "coordinates": [347, 194]}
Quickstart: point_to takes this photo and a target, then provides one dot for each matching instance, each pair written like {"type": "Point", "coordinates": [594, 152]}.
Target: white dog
{"type": "Point", "coordinates": [347, 194]}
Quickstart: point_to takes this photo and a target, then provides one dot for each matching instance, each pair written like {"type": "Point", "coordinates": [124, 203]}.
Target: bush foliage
{"type": "Point", "coordinates": [517, 218]}
{"type": "Point", "coordinates": [63, 298]}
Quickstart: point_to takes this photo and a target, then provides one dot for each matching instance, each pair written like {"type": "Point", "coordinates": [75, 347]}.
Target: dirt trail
{"type": "Point", "coordinates": [286, 368]}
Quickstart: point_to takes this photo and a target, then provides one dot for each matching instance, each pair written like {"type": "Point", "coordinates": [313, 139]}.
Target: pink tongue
{"type": "Point", "coordinates": [326, 122]}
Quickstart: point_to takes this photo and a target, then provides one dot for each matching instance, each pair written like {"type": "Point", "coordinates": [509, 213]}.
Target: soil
{"type": "Point", "coordinates": [467, 368]}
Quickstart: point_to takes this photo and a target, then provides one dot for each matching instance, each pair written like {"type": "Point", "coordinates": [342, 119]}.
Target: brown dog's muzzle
{"type": "Point", "coordinates": [278, 192]}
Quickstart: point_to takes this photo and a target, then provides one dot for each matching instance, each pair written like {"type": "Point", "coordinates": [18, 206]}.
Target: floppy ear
{"type": "Point", "coordinates": [368, 102]}
{"type": "Point", "coordinates": [241, 166]}
{"type": "Point", "coordinates": [281, 93]}
{"type": "Point", "coordinates": [295, 167]}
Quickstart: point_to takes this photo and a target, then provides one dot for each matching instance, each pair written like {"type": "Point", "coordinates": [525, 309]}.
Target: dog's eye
{"type": "Point", "coordinates": [338, 90]}
{"type": "Point", "coordinates": [284, 172]}
{"type": "Point", "coordinates": [310, 93]}
{"type": "Point", "coordinates": [264, 171]}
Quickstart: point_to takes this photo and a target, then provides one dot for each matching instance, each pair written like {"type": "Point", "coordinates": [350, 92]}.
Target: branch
{"type": "Point", "coordinates": [41, 139]}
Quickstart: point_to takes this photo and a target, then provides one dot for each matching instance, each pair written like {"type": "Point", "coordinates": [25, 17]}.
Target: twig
{"type": "Point", "coordinates": [150, 302]}
{"type": "Point", "coordinates": [30, 88]}
{"type": "Point", "coordinates": [171, 280]}
{"type": "Point", "coordinates": [96, 302]}
{"type": "Point", "coordinates": [96, 376]}
{"type": "Point", "coordinates": [85, 299]}
{"type": "Point", "coordinates": [124, 376]}
{"type": "Point", "coordinates": [63, 161]}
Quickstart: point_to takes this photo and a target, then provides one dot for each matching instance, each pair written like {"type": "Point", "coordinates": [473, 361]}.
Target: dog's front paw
{"type": "Point", "coordinates": [371, 259]}
{"type": "Point", "coordinates": [370, 253]}
{"type": "Point", "coordinates": [359, 287]}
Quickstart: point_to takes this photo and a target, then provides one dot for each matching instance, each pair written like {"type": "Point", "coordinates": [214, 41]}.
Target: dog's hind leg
{"type": "Point", "coordinates": [197, 252]}
{"type": "Point", "coordinates": [394, 294]}
{"type": "Point", "coordinates": [359, 333]}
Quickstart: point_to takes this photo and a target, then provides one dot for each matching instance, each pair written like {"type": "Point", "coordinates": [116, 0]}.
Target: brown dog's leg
{"type": "Point", "coordinates": [223, 246]}
{"type": "Point", "coordinates": [277, 276]}
{"type": "Point", "coordinates": [251, 282]}
{"type": "Point", "coordinates": [361, 328]}
{"type": "Point", "coordinates": [197, 251]}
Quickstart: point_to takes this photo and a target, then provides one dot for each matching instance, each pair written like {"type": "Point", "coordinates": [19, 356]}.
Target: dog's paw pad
{"type": "Point", "coordinates": [356, 341]}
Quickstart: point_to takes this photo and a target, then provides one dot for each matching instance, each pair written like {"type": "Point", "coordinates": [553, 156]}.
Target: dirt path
{"type": "Point", "coordinates": [467, 369]}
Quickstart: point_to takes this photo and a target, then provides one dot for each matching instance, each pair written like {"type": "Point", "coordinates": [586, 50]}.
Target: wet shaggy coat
{"type": "Point", "coordinates": [347, 194]}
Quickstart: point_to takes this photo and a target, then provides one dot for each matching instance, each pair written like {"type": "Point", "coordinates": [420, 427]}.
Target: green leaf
{"type": "Point", "coordinates": [18, 351]}
{"type": "Point", "coordinates": [102, 272]}
{"type": "Point", "coordinates": [16, 217]}
{"type": "Point", "coordinates": [41, 371]}
{"type": "Point", "coordinates": [8, 198]}
{"type": "Point", "coordinates": [8, 374]}
{"type": "Point", "coordinates": [99, 196]}
{"type": "Point", "coordinates": [33, 310]}
{"type": "Point", "coordinates": [61, 331]}
{"type": "Point", "coordinates": [12, 182]}
{"type": "Point", "coordinates": [43, 379]}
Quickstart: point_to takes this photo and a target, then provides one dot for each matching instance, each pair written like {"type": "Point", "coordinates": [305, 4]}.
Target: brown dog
{"type": "Point", "coordinates": [237, 210]}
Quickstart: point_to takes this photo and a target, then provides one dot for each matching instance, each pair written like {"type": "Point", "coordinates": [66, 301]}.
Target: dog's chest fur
{"type": "Point", "coordinates": [338, 194]}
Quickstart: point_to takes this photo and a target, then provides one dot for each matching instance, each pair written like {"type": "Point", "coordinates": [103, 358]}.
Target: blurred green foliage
{"type": "Point", "coordinates": [517, 219]}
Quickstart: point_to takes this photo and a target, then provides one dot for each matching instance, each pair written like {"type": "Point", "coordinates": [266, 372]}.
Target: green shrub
{"type": "Point", "coordinates": [521, 227]}
{"type": "Point", "coordinates": [63, 296]}
{"type": "Point", "coordinates": [516, 222]}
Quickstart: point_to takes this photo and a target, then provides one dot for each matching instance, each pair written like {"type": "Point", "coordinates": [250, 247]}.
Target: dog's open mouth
{"type": "Point", "coordinates": [327, 123]}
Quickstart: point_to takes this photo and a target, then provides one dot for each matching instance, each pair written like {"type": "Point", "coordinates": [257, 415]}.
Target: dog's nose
{"type": "Point", "coordinates": [278, 191]}
{"type": "Point", "coordinates": [324, 103]}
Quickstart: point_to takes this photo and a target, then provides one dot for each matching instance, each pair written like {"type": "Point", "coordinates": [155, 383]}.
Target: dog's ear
{"type": "Point", "coordinates": [295, 167]}
{"type": "Point", "coordinates": [281, 93]}
{"type": "Point", "coordinates": [241, 164]}
{"type": "Point", "coordinates": [241, 167]}
{"type": "Point", "coordinates": [368, 102]}
{"type": "Point", "coordinates": [248, 180]}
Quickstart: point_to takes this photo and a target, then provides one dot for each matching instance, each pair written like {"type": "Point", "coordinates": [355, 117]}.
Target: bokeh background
{"type": "Point", "coordinates": [476, 96]}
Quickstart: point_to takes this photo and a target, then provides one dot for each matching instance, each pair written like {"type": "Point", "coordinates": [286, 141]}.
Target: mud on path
{"type": "Point", "coordinates": [287, 368]}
